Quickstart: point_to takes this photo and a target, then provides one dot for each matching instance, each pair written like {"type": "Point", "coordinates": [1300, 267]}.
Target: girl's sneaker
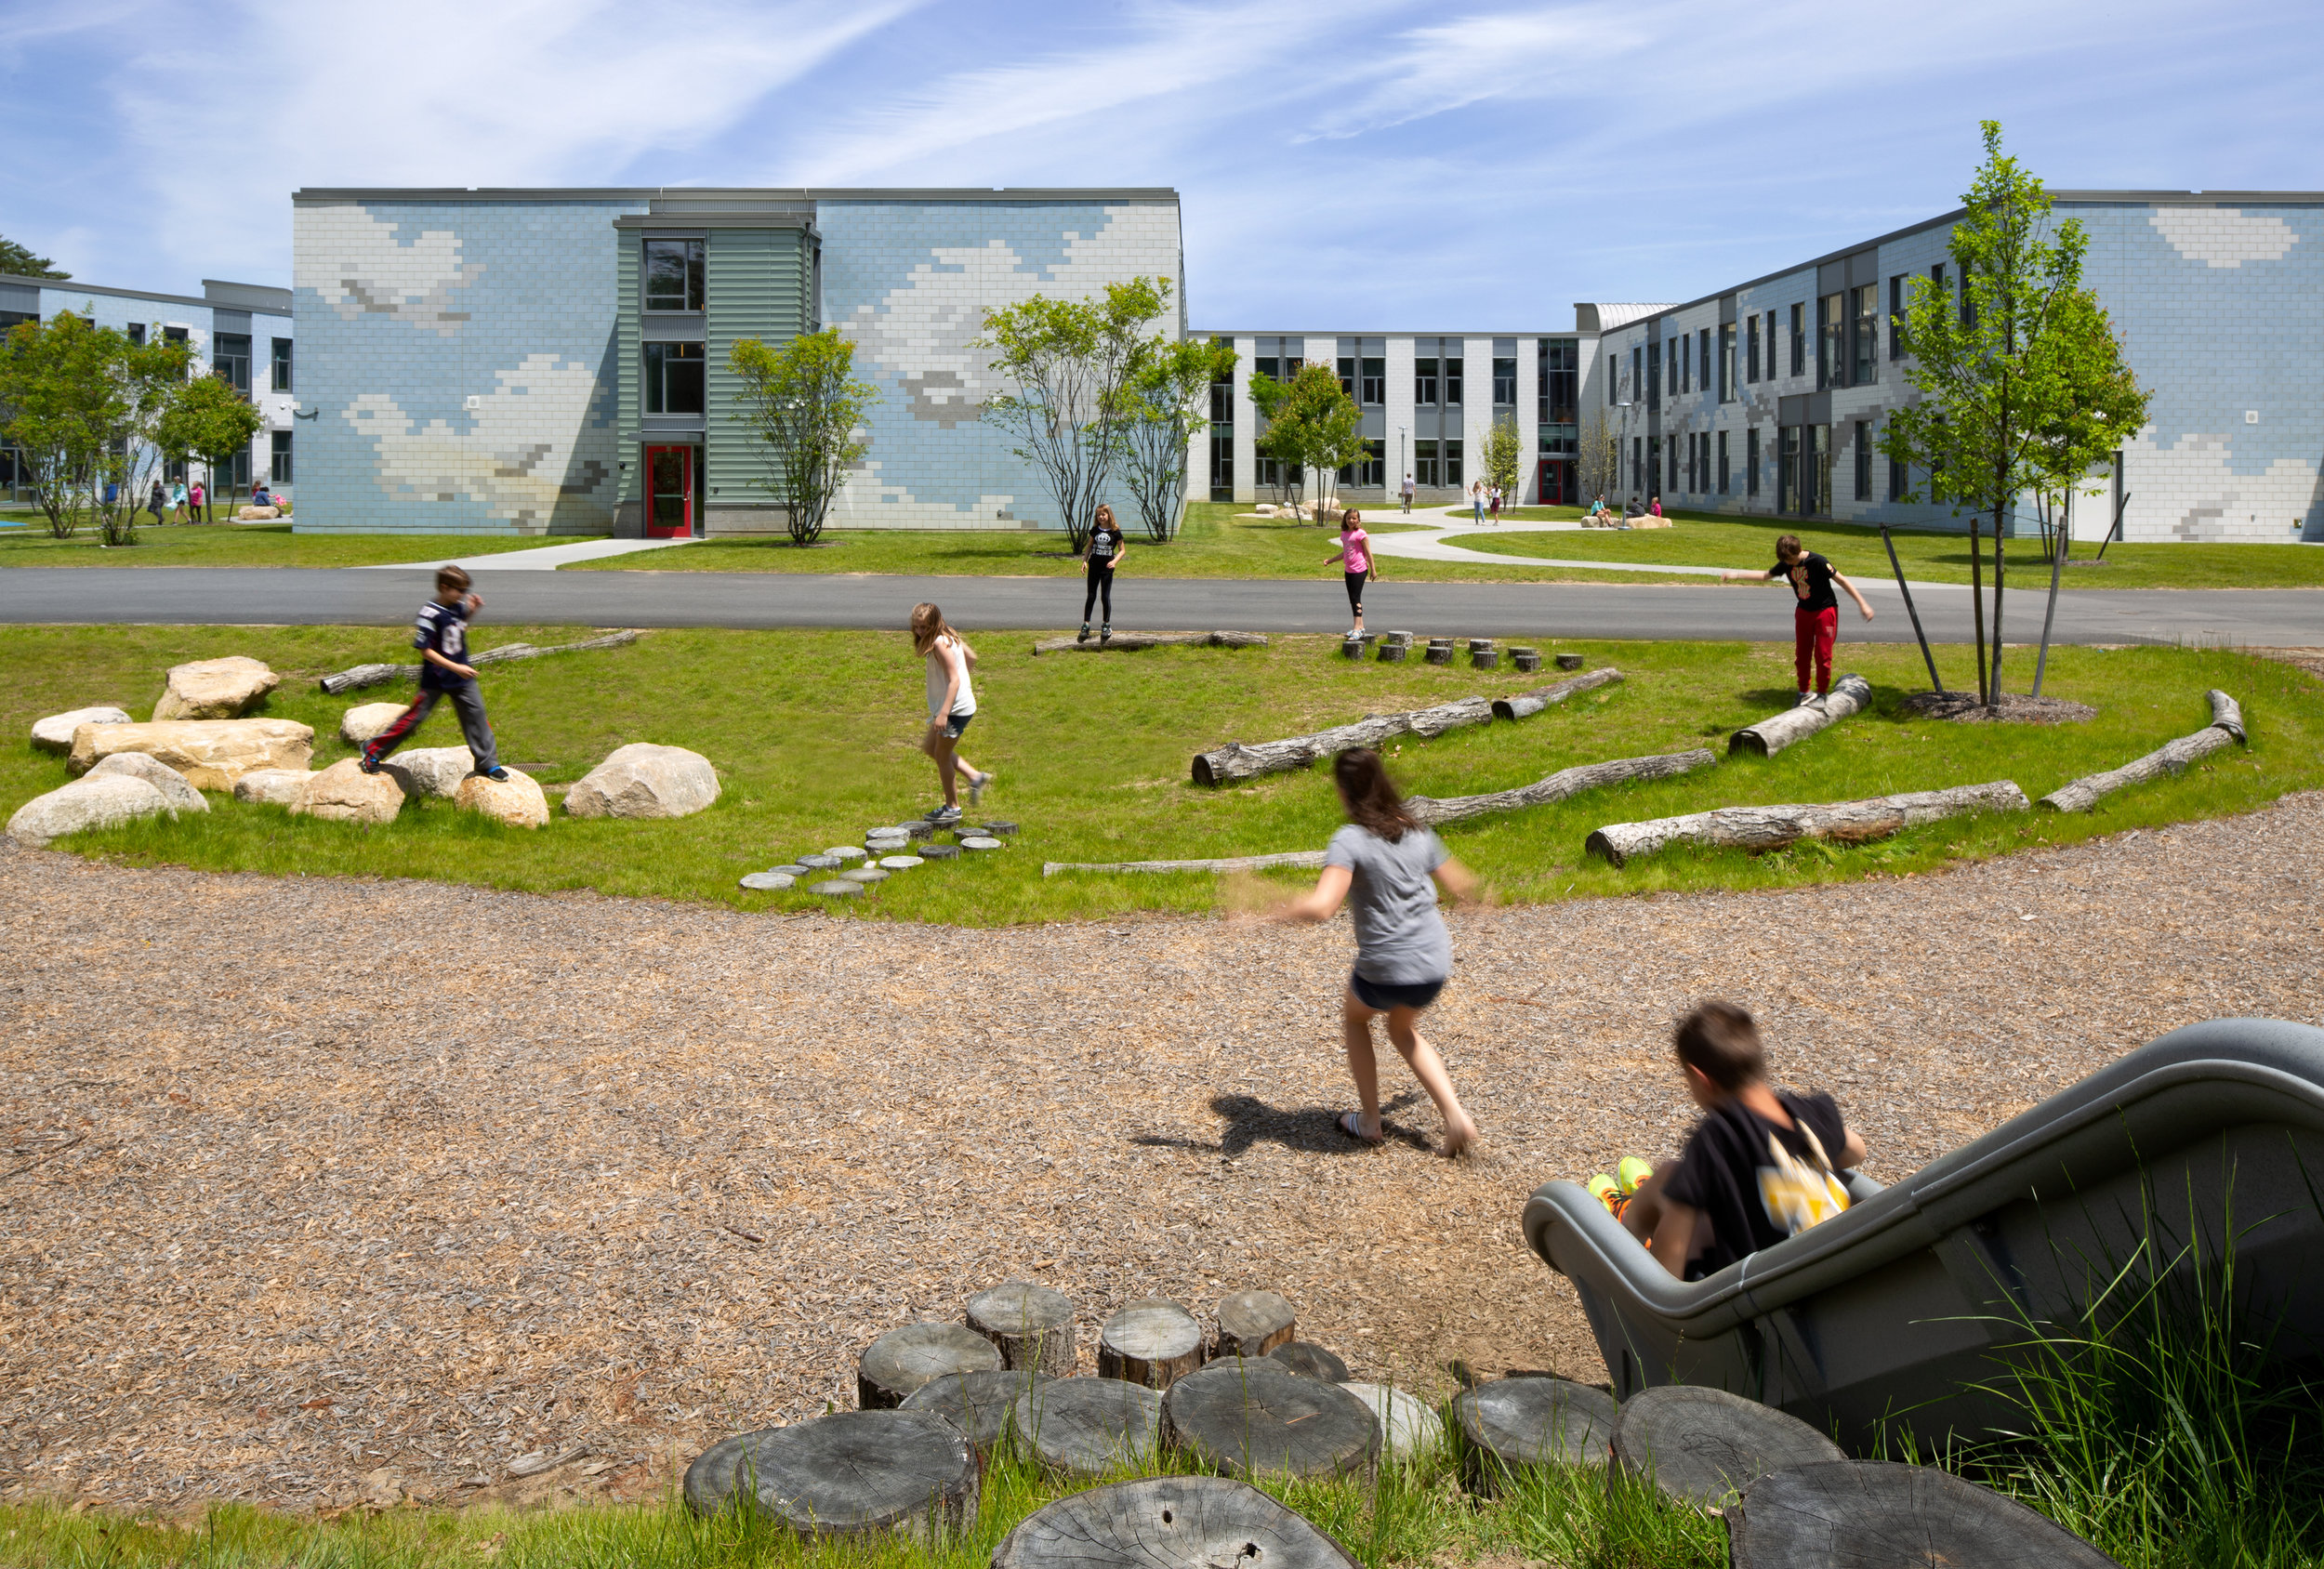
{"type": "Point", "coordinates": [976, 786]}
{"type": "Point", "coordinates": [1084, 636]}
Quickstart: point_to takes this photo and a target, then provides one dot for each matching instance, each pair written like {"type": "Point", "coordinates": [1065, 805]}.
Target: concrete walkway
{"type": "Point", "coordinates": [545, 558]}
{"type": "Point", "coordinates": [1453, 523]}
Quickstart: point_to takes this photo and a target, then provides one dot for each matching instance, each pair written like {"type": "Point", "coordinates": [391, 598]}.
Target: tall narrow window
{"type": "Point", "coordinates": [1505, 382]}
{"type": "Point", "coordinates": [1687, 365]}
{"type": "Point", "coordinates": [1864, 335]}
{"type": "Point", "coordinates": [673, 274]}
{"type": "Point", "coordinates": [1702, 360]}
{"type": "Point", "coordinates": [1654, 466]}
{"type": "Point", "coordinates": [1751, 461]}
{"type": "Point", "coordinates": [282, 364]}
{"type": "Point", "coordinates": [1799, 340]}
{"type": "Point", "coordinates": [1671, 484]}
{"type": "Point", "coordinates": [1223, 436]}
{"type": "Point", "coordinates": [1899, 480]}
{"type": "Point", "coordinates": [1864, 460]}
{"type": "Point", "coordinates": [1637, 374]}
{"type": "Point", "coordinates": [230, 359]}
{"type": "Point", "coordinates": [1968, 303]}
{"type": "Point", "coordinates": [1374, 392]}
{"type": "Point", "coordinates": [1654, 381]}
{"type": "Point", "coordinates": [1452, 381]}
{"type": "Point", "coordinates": [1788, 469]}
{"type": "Point", "coordinates": [1347, 375]}
{"type": "Point", "coordinates": [1561, 386]}
{"type": "Point", "coordinates": [1896, 317]}
{"type": "Point", "coordinates": [1637, 460]}
{"type": "Point", "coordinates": [279, 471]}
{"type": "Point", "coordinates": [1424, 388]}
{"type": "Point", "coordinates": [136, 334]}
{"type": "Point", "coordinates": [1671, 381]}
{"type": "Point", "coordinates": [1452, 464]}
{"type": "Point", "coordinates": [1425, 471]}
{"type": "Point", "coordinates": [1726, 363]}
{"type": "Point", "coordinates": [673, 377]}
{"type": "Point", "coordinates": [1832, 348]}
{"type": "Point", "coordinates": [1723, 488]}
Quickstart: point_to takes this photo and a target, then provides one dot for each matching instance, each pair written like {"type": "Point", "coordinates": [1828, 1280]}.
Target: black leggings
{"type": "Point", "coordinates": [1355, 591]}
{"type": "Point", "coordinates": [1101, 582]}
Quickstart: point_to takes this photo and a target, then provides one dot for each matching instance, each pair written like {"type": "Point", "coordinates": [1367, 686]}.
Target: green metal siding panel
{"type": "Point", "coordinates": [628, 361]}
{"type": "Point", "coordinates": [756, 284]}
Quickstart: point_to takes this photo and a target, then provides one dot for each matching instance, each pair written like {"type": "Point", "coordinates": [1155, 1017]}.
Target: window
{"type": "Point", "coordinates": [1267, 365]}
{"type": "Point", "coordinates": [1561, 382]}
{"type": "Point", "coordinates": [1673, 483]}
{"type": "Point", "coordinates": [1832, 348]}
{"type": "Point", "coordinates": [1671, 377]}
{"type": "Point", "coordinates": [234, 475]}
{"type": "Point", "coordinates": [1654, 466]}
{"type": "Point", "coordinates": [175, 335]}
{"type": "Point", "coordinates": [1452, 389]}
{"type": "Point", "coordinates": [1865, 335]}
{"type": "Point", "coordinates": [1899, 481]}
{"type": "Point", "coordinates": [673, 377]}
{"type": "Point", "coordinates": [1505, 382]}
{"type": "Point", "coordinates": [1798, 339]}
{"type": "Point", "coordinates": [1751, 461]}
{"type": "Point", "coordinates": [136, 334]}
{"type": "Point", "coordinates": [1816, 479]}
{"type": "Point", "coordinates": [1373, 390]}
{"type": "Point", "coordinates": [1347, 375]}
{"type": "Point", "coordinates": [1702, 360]}
{"type": "Point", "coordinates": [1750, 345]}
{"type": "Point", "coordinates": [1426, 475]}
{"type": "Point", "coordinates": [1452, 462]}
{"type": "Point", "coordinates": [1424, 388]}
{"type": "Point", "coordinates": [1726, 363]}
{"type": "Point", "coordinates": [230, 359]}
{"type": "Point", "coordinates": [1690, 461]}
{"type": "Point", "coordinates": [1637, 374]}
{"type": "Point", "coordinates": [1788, 469]}
{"type": "Point", "coordinates": [1637, 461]}
{"type": "Point", "coordinates": [282, 364]}
{"type": "Point", "coordinates": [1654, 380]}
{"type": "Point", "coordinates": [279, 471]}
{"type": "Point", "coordinates": [1372, 471]}
{"type": "Point", "coordinates": [1723, 487]}
{"type": "Point", "coordinates": [1864, 460]}
{"type": "Point", "coordinates": [1223, 436]}
{"type": "Point", "coordinates": [1968, 303]}
{"type": "Point", "coordinates": [1896, 317]}
{"type": "Point", "coordinates": [673, 274]}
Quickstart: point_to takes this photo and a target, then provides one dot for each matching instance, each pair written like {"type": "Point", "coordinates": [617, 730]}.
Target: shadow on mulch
{"type": "Point", "coordinates": [2016, 709]}
{"type": "Point", "coordinates": [1313, 1130]}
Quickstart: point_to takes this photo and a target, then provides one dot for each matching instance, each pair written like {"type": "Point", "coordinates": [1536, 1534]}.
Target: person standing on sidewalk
{"type": "Point", "coordinates": [1408, 493]}
{"type": "Point", "coordinates": [1815, 618]}
{"type": "Point", "coordinates": [1099, 557]}
{"type": "Point", "coordinates": [1476, 501]}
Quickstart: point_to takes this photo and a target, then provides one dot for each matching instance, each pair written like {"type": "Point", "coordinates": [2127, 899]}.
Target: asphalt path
{"type": "Point", "coordinates": [276, 595]}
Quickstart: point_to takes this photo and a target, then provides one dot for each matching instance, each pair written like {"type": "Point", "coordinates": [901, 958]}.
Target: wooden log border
{"type": "Point", "coordinates": [2225, 727]}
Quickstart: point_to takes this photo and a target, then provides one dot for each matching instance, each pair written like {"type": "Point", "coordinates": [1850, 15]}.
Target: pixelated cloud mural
{"type": "Point", "coordinates": [500, 459]}
{"type": "Point", "coordinates": [2224, 237]}
{"type": "Point", "coordinates": [371, 273]}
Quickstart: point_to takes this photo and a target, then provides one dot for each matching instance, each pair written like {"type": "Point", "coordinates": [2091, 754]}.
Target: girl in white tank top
{"type": "Point", "coordinates": [951, 704]}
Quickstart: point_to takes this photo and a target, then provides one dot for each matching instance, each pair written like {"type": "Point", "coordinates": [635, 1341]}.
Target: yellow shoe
{"type": "Point", "coordinates": [1604, 1188]}
{"type": "Point", "coordinates": [1632, 1174]}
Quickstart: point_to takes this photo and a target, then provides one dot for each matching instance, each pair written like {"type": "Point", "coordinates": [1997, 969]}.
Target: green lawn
{"type": "Point", "coordinates": [813, 732]}
{"type": "Point", "coordinates": [250, 544]}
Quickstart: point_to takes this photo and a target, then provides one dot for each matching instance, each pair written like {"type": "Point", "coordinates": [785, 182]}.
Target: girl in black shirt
{"type": "Point", "coordinates": [1100, 556]}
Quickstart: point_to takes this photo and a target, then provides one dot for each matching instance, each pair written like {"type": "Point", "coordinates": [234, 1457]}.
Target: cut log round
{"type": "Point", "coordinates": [1168, 1523]}
{"type": "Point", "coordinates": [1350, 648]}
{"type": "Point", "coordinates": [768, 882]}
{"type": "Point", "coordinates": [836, 888]}
{"type": "Point", "coordinates": [979, 841]}
{"type": "Point", "coordinates": [938, 852]}
{"type": "Point", "coordinates": [1153, 1341]}
{"type": "Point", "coordinates": [1131, 642]}
{"type": "Point", "coordinates": [847, 1474]}
{"type": "Point", "coordinates": [1850, 694]}
{"type": "Point", "coordinates": [1308, 858]}
{"type": "Point", "coordinates": [1031, 1324]}
{"type": "Point", "coordinates": [1478, 645]}
{"type": "Point", "coordinates": [1439, 652]}
{"type": "Point", "coordinates": [1516, 1422]}
{"type": "Point", "coordinates": [1253, 1417]}
{"type": "Point", "coordinates": [847, 853]}
{"type": "Point", "coordinates": [864, 875]}
{"type": "Point", "coordinates": [1871, 1514]}
{"type": "Point", "coordinates": [1559, 786]}
{"type": "Point", "coordinates": [1089, 1427]}
{"type": "Point", "coordinates": [900, 863]}
{"type": "Point", "coordinates": [1766, 828]}
{"type": "Point", "coordinates": [1699, 1445]}
{"type": "Point", "coordinates": [1406, 1426]}
{"type": "Point", "coordinates": [820, 863]}
{"type": "Point", "coordinates": [1570, 662]}
{"type": "Point", "coordinates": [980, 1405]}
{"type": "Point", "coordinates": [1486, 659]}
{"type": "Point", "coordinates": [2225, 728]}
{"type": "Point", "coordinates": [792, 870]}
{"type": "Point", "coordinates": [1528, 703]}
{"type": "Point", "coordinates": [897, 1364]}
{"type": "Point", "coordinates": [1309, 1361]}
{"type": "Point", "coordinates": [998, 830]}
{"type": "Point", "coordinates": [1254, 1322]}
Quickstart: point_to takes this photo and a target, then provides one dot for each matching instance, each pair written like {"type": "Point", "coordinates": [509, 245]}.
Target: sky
{"type": "Point", "coordinates": [1350, 164]}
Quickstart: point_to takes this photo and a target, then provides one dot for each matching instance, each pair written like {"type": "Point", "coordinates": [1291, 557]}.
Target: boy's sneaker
{"type": "Point", "coordinates": [1816, 702]}
{"type": "Point", "coordinates": [1631, 1173]}
{"type": "Point", "coordinates": [498, 775]}
{"type": "Point", "coordinates": [1808, 700]}
{"type": "Point", "coordinates": [1602, 1188]}
{"type": "Point", "coordinates": [945, 815]}
{"type": "Point", "coordinates": [369, 765]}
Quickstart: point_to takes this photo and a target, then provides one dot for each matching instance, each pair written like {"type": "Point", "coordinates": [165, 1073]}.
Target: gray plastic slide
{"type": "Point", "coordinates": [1893, 1310]}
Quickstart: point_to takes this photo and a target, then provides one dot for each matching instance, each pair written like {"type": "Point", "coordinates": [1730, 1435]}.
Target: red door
{"type": "Point", "coordinates": [669, 498]}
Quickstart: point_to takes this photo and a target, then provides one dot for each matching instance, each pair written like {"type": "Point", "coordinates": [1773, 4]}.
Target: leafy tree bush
{"type": "Point", "coordinates": [1168, 402]}
{"type": "Point", "coordinates": [803, 402]}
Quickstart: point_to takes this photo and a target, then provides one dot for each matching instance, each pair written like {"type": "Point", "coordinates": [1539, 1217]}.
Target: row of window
{"type": "Point", "coordinates": [229, 352]}
{"type": "Point", "coordinates": [1707, 469]}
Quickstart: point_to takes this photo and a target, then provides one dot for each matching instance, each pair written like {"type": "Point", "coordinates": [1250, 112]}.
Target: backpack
{"type": "Point", "coordinates": [1796, 1192]}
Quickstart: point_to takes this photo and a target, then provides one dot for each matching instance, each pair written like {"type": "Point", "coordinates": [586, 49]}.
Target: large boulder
{"type": "Point", "coordinates": [271, 786]}
{"type": "Point", "coordinates": [430, 771]}
{"type": "Point", "coordinates": [55, 733]}
{"type": "Point", "coordinates": [363, 721]}
{"type": "Point", "coordinates": [212, 754]}
{"type": "Point", "coordinates": [643, 780]}
{"type": "Point", "coordinates": [344, 793]}
{"type": "Point", "coordinates": [82, 805]}
{"type": "Point", "coordinates": [216, 689]}
{"type": "Point", "coordinates": [181, 795]}
{"type": "Point", "coordinates": [517, 800]}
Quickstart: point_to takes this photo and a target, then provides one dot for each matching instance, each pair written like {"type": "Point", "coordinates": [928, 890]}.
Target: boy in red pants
{"type": "Point", "coordinates": [1815, 617]}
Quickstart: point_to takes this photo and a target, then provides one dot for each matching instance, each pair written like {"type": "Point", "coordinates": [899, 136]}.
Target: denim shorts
{"type": "Point", "coordinates": [1379, 996]}
{"type": "Point", "coordinates": [955, 725]}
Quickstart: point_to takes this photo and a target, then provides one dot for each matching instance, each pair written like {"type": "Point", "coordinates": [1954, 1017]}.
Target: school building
{"type": "Point", "coordinates": [242, 332]}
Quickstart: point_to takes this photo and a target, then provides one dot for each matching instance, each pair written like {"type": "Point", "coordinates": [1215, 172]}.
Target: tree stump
{"type": "Point", "coordinates": [1153, 1341]}
{"type": "Point", "coordinates": [1486, 659]}
{"type": "Point", "coordinates": [847, 851]}
{"type": "Point", "coordinates": [1168, 1523]}
{"type": "Point", "coordinates": [1406, 1426]}
{"type": "Point", "coordinates": [900, 863]}
{"type": "Point", "coordinates": [820, 863]}
{"type": "Point", "coordinates": [1350, 646]}
{"type": "Point", "coordinates": [1699, 1445]}
{"type": "Point", "coordinates": [1516, 1422]}
{"type": "Point", "coordinates": [998, 830]}
{"type": "Point", "coordinates": [897, 1364]}
{"type": "Point", "coordinates": [791, 869]}
{"type": "Point", "coordinates": [1569, 661]}
{"type": "Point", "coordinates": [979, 841]}
{"type": "Point", "coordinates": [864, 875]}
{"type": "Point", "coordinates": [1089, 1427]}
{"type": "Point", "coordinates": [938, 852]}
{"type": "Point", "coordinates": [1253, 1323]}
{"type": "Point", "coordinates": [980, 1405]}
{"type": "Point", "coordinates": [836, 888]}
{"type": "Point", "coordinates": [1871, 1514]}
{"type": "Point", "coordinates": [1249, 1417]}
{"type": "Point", "coordinates": [851, 1473]}
{"type": "Point", "coordinates": [1310, 1360]}
{"type": "Point", "coordinates": [1394, 654]}
{"type": "Point", "coordinates": [1439, 651]}
{"type": "Point", "coordinates": [1480, 645]}
{"type": "Point", "coordinates": [1527, 660]}
{"type": "Point", "coordinates": [1031, 1324]}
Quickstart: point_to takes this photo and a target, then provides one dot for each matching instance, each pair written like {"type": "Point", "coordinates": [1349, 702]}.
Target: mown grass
{"type": "Point", "coordinates": [815, 734]}
{"type": "Point", "coordinates": [250, 545]}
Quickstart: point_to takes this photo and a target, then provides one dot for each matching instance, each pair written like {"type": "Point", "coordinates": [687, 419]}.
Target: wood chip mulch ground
{"type": "Point", "coordinates": [321, 1191]}
{"type": "Point", "coordinates": [2015, 707]}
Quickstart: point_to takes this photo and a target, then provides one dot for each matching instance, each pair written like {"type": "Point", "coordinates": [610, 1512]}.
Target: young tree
{"type": "Point", "coordinates": [804, 402]}
{"type": "Point", "coordinates": [1167, 404]}
{"type": "Point", "coordinates": [1070, 361]}
{"type": "Point", "coordinates": [2015, 378]}
{"type": "Point", "coordinates": [1312, 423]}
{"type": "Point", "coordinates": [1504, 455]}
{"type": "Point", "coordinates": [1598, 463]}
{"type": "Point", "coordinates": [81, 403]}
{"type": "Point", "coordinates": [20, 261]}
{"type": "Point", "coordinates": [210, 420]}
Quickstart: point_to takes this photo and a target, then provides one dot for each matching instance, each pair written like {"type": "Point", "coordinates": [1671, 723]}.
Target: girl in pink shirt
{"type": "Point", "coordinates": [1354, 556]}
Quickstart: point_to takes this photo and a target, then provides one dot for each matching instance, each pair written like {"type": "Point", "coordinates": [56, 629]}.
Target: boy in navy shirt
{"type": "Point", "coordinates": [441, 635]}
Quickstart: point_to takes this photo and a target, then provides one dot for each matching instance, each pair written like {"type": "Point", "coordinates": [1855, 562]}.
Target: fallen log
{"type": "Point", "coordinates": [1850, 694]}
{"type": "Point", "coordinates": [1304, 858]}
{"type": "Point", "coordinates": [363, 675]}
{"type": "Point", "coordinates": [1558, 786]}
{"type": "Point", "coordinates": [2226, 726]}
{"type": "Point", "coordinates": [1130, 642]}
{"type": "Point", "coordinates": [1533, 702]}
{"type": "Point", "coordinates": [1768, 827]}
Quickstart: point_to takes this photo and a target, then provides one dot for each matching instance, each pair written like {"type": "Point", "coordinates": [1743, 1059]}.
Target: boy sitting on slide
{"type": "Point", "coordinates": [1762, 1164]}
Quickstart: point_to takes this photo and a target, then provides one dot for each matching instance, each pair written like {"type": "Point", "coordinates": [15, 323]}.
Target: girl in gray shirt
{"type": "Point", "coordinates": [1387, 867]}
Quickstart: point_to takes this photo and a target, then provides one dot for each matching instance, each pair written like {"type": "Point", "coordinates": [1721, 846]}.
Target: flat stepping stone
{"type": "Point", "coordinates": [1250, 1416]}
{"type": "Point", "coordinates": [1870, 1515]}
{"type": "Point", "coordinates": [1032, 1325]}
{"type": "Point", "coordinates": [846, 851]}
{"type": "Point", "coordinates": [768, 881]}
{"type": "Point", "coordinates": [901, 863]}
{"type": "Point", "coordinates": [1701, 1446]}
{"type": "Point", "coordinates": [894, 1366]}
{"type": "Point", "coordinates": [839, 888]}
{"type": "Point", "coordinates": [1168, 1523]}
{"type": "Point", "coordinates": [851, 1473]}
{"type": "Point", "coordinates": [980, 1405]}
{"type": "Point", "coordinates": [1254, 1322]}
{"type": "Point", "coordinates": [866, 875]}
{"type": "Point", "coordinates": [795, 869]}
{"type": "Point", "coordinates": [1153, 1341]}
{"type": "Point", "coordinates": [821, 863]}
{"type": "Point", "coordinates": [939, 853]}
{"type": "Point", "coordinates": [999, 830]}
{"type": "Point", "coordinates": [886, 847]}
{"type": "Point", "coordinates": [979, 841]}
{"type": "Point", "coordinates": [1516, 1422]}
{"type": "Point", "coordinates": [1089, 1427]}
{"type": "Point", "coordinates": [1310, 1360]}
{"type": "Point", "coordinates": [1407, 1425]}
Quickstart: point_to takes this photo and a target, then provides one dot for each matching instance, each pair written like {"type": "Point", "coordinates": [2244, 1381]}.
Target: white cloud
{"type": "Point", "coordinates": [2225, 236]}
